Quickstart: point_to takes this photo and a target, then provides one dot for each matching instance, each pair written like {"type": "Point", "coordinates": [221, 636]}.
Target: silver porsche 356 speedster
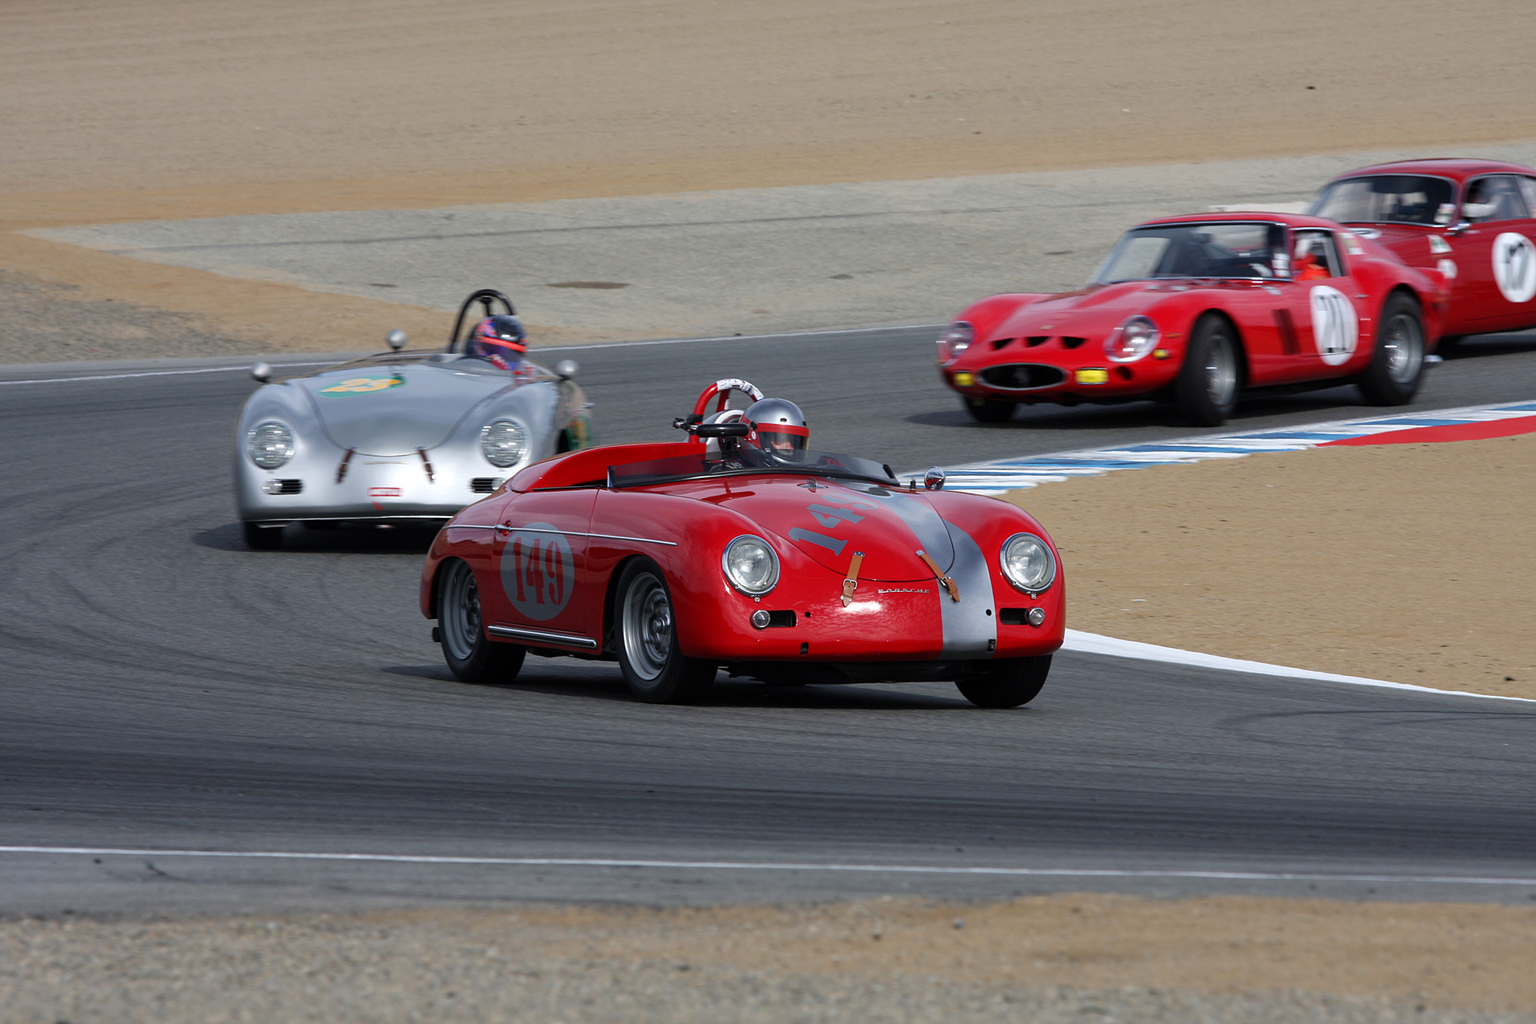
{"type": "Point", "coordinates": [403, 436]}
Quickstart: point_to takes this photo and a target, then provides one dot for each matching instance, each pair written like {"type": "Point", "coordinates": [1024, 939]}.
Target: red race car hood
{"type": "Point", "coordinates": [1091, 313]}
{"type": "Point", "coordinates": [828, 520]}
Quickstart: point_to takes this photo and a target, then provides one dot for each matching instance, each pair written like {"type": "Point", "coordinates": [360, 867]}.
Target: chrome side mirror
{"type": "Point", "coordinates": [396, 339]}
{"type": "Point", "coordinates": [933, 480]}
{"type": "Point", "coordinates": [261, 373]}
{"type": "Point", "coordinates": [565, 369]}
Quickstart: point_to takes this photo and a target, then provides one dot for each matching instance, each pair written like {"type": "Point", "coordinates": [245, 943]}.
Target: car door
{"type": "Point", "coordinates": [1496, 254]}
{"type": "Point", "coordinates": [540, 591]}
{"type": "Point", "coordinates": [1313, 310]}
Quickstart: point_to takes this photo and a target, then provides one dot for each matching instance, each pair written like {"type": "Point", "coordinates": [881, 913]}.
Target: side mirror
{"type": "Point", "coordinates": [396, 339]}
{"type": "Point", "coordinates": [933, 480]}
{"type": "Point", "coordinates": [261, 373]}
{"type": "Point", "coordinates": [565, 369]}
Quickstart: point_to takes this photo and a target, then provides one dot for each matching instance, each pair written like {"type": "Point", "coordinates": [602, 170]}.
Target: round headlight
{"type": "Point", "coordinates": [1028, 562]}
{"type": "Point", "coordinates": [956, 339]}
{"type": "Point", "coordinates": [1131, 340]}
{"type": "Point", "coordinates": [750, 565]}
{"type": "Point", "coordinates": [270, 445]}
{"type": "Point", "coordinates": [504, 443]}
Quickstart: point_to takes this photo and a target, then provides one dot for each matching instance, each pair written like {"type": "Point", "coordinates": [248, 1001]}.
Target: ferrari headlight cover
{"type": "Point", "coordinates": [1132, 340]}
{"type": "Point", "coordinates": [957, 337]}
{"type": "Point", "coordinates": [269, 444]}
{"type": "Point", "coordinates": [503, 443]}
{"type": "Point", "coordinates": [751, 565]}
{"type": "Point", "coordinates": [1028, 563]}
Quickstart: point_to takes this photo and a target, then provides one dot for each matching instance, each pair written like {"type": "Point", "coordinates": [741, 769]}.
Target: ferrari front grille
{"type": "Point", "coordinates": [1022, 376]}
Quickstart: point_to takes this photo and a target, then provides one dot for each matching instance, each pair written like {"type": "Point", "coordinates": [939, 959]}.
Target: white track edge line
{"type": "Point", "coordinates": [725, 865]}
{"type": "Point", "coordinates": [1092, 643]}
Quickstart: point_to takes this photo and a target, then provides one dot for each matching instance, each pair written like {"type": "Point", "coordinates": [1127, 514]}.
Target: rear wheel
{"type": "Point", "coordinates": [989, 410]}
{"type": "Point", "coordinates": [262, 538]}
{"type": "Point", "coordinates": [1008, 683]}
{"type": "Point", "coordinates": [1397, 363]}
{"type": "Point", "coordinates": [653, 665]}
{"type": "Point", "coordinates": [1206, 390]}
{"type": "Point", "coordinates": [470, 654]}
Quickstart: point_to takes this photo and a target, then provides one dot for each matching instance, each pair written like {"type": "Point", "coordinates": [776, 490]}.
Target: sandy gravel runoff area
{"type": "Point", "coordinates": [153, 109]}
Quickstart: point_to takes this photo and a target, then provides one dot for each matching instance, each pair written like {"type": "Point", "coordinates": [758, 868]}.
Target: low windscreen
{"type": "Point", "coordinates": [748, 459]}
{"type": "Point", "coordinates": [1224, 249]}
{"type": "Point", "coordinates": [1386, 199]}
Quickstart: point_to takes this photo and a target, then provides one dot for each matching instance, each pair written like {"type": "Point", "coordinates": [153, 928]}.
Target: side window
{"type": "Point", "coordinates": [1528, 192]}
{"type": "Point", "coordinates": [1315, 256]}
{"type": "Point", "coordinates": [1494, 197]}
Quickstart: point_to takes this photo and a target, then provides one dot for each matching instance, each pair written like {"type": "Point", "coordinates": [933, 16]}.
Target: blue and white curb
{"type": "Point", "coordinates": [1004, 475]}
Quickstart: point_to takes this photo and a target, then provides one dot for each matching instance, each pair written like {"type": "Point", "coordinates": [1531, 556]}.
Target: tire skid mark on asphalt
{"type": "Point", "coordinates": [1002, 475]}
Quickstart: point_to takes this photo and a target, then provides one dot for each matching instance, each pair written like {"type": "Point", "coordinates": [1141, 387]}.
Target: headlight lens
{"type": "Point", "coordinates": [1028, 562]}
{"type": "Point", "coordinates": [957, 337]}
{"type": "Point", "coordinates": [1131, 340]}
{"type": "Point", "coordinates": [751, 565]}
{"type": "Point", "coordinates": [504, 443]}
{"type": "Point", "coordinates": [270, 445]}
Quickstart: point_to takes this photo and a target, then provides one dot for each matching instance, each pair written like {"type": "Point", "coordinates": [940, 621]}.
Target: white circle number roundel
{"type": "Point", "coordinates": [537, 571]}
{"type": "Point", "coordinates": [1335, 327]}
{"type": "Point", "coordinates": [1514, 266]}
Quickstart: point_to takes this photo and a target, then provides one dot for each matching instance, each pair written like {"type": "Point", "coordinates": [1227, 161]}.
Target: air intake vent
{"type": "Point", "coordinates": [274, 486]}
{"type": "Point", "coordinates": [998, 343]}
{"type": "Point", "coordinates": [1021, 376]}
{"type": "Point", "coordinates": [1072, 342]}
{"type": "Point", "coordinates": [1037, 339]}
{"type": "Point", "coordinates": [484, 484]}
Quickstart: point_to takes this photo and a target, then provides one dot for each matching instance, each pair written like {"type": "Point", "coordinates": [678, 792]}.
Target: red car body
{"type": "Point", "coordinates": [1197, 309]}
{"type": "Point", "coordinates": [1473, 221]}
{"type": "Point", "coordinates": [875, 581]}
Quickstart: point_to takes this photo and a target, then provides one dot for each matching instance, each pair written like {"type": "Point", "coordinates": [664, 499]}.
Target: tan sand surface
{"type": "Point", "coordinates": [1407, 563]}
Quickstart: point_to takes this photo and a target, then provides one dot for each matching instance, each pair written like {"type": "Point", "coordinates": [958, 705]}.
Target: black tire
{"type": "Point", "coordinates": [1009, 683]}
{"type": "Point", "coordinates": [1397, 361]}
{"type": "Point", "coordinates": [989, 410]}
{"type": "Point", "coordinates": [262, 538]}
{"type": "Point", "coordinates": [1209, 380]}
{"type": "Point", "coordinates": [646, 638]}
{"type": "Point", "coordinates": [470, 654]}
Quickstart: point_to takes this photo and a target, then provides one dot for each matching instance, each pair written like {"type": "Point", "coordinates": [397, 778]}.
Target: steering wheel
{"type": "Point", "coordinates": [489, 299]}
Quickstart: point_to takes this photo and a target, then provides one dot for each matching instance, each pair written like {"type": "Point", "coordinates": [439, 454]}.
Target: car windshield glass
{"type": "Point", "coordinates": [1225, 249]}
{"type": "Point", "coordinates": [1386, 199]}
{"type": "Point", "coordinates": [747, 459]}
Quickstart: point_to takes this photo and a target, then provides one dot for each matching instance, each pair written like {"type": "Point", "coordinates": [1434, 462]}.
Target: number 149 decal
{"type": "Point", "coordinates": [538, 571]}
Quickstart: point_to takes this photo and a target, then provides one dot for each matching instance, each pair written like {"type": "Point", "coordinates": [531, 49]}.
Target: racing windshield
{"type": "Point", "coordinates": [1222, 249]}
{"type": "Point", "coordinates": [747, 459]}
{"type": "Point", "coordinates": [1386, 199]}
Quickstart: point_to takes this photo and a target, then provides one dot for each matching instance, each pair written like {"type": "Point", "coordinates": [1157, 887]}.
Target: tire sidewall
{"type": "Point", "coordinates": [487, 661]}
{"type": "Point", "coordinates": [1377, 382]}
{"type": "Point", "coordinates": [679, 678]}
{"type": "Point", "coordinates": [1192, 389]}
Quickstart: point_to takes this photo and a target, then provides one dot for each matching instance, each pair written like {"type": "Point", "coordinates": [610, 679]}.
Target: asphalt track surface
{"type": "Point", "coordinates": [165, 690]}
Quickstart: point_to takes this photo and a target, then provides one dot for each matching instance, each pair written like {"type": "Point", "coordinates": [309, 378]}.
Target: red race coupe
{"type": "Point", "coordinates": [741, 548]}
{"type": "Point", "coordinates": [1474, 221]}
{"type": "Point", "coordinates": [1195, 309]}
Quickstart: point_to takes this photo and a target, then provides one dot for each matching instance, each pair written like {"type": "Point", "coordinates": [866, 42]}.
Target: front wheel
{"type": "Point", "coordinates": [470, 654]}
{"type": "Point", "coordinates": [1206, 390]}
{"type": "Point", "coordinates": [1397, 363]}
{"type": "Point", "coordinates": [989, 410]}
{"type": "Point", "coordinates": [1008, 683]}
{"type": "Point", "coordinates": [649, 657]}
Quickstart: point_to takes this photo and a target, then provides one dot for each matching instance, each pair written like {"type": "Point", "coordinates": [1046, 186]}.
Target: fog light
{"type": "Point", "coordinates": [1036, 616]}
{"type": "Point", "coordinates": [964, 380]}
{"type": "Point", "coordinates": [1092, 376]}
{"type": "Point", "coordinates": [760, 619]}
{"type": "Point", "coordinates": [273, 486]}
{"type": "Point", "coordinates": [1160, 353]}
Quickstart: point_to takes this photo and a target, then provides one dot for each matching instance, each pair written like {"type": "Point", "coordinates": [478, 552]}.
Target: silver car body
{"type": "Point", "coordinates": [397, 436]}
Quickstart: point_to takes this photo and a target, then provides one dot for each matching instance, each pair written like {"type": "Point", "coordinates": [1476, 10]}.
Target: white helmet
{"type": "Point", "coordinates": [778, 426]}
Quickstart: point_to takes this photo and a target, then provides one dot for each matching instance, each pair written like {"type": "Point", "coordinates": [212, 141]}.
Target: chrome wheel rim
{"type": "Point", "coordinates": [460, 617]}
{"type": "Point", "coordinates": [647, 626]}
{"type": "Point", "coordinates": [1220, 372]}
{"type": "Point", "coordinates": [1403, 343]}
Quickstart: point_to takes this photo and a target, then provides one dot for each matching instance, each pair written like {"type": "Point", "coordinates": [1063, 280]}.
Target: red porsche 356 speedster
{"type": "Point", "coordinates": [1198, 308]}
{"type": "Point", "coordinates": [741, 548]}
{"type": "Point", "coordinates": [1474, 221]}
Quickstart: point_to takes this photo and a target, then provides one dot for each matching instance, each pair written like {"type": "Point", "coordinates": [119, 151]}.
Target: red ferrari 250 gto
{"type": "Point", "coordinates": [1198, 308]}
{"type": "Point", "coordinates": [1473, 221]}
{"type": "Point", "coordinates": [741, 548]}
